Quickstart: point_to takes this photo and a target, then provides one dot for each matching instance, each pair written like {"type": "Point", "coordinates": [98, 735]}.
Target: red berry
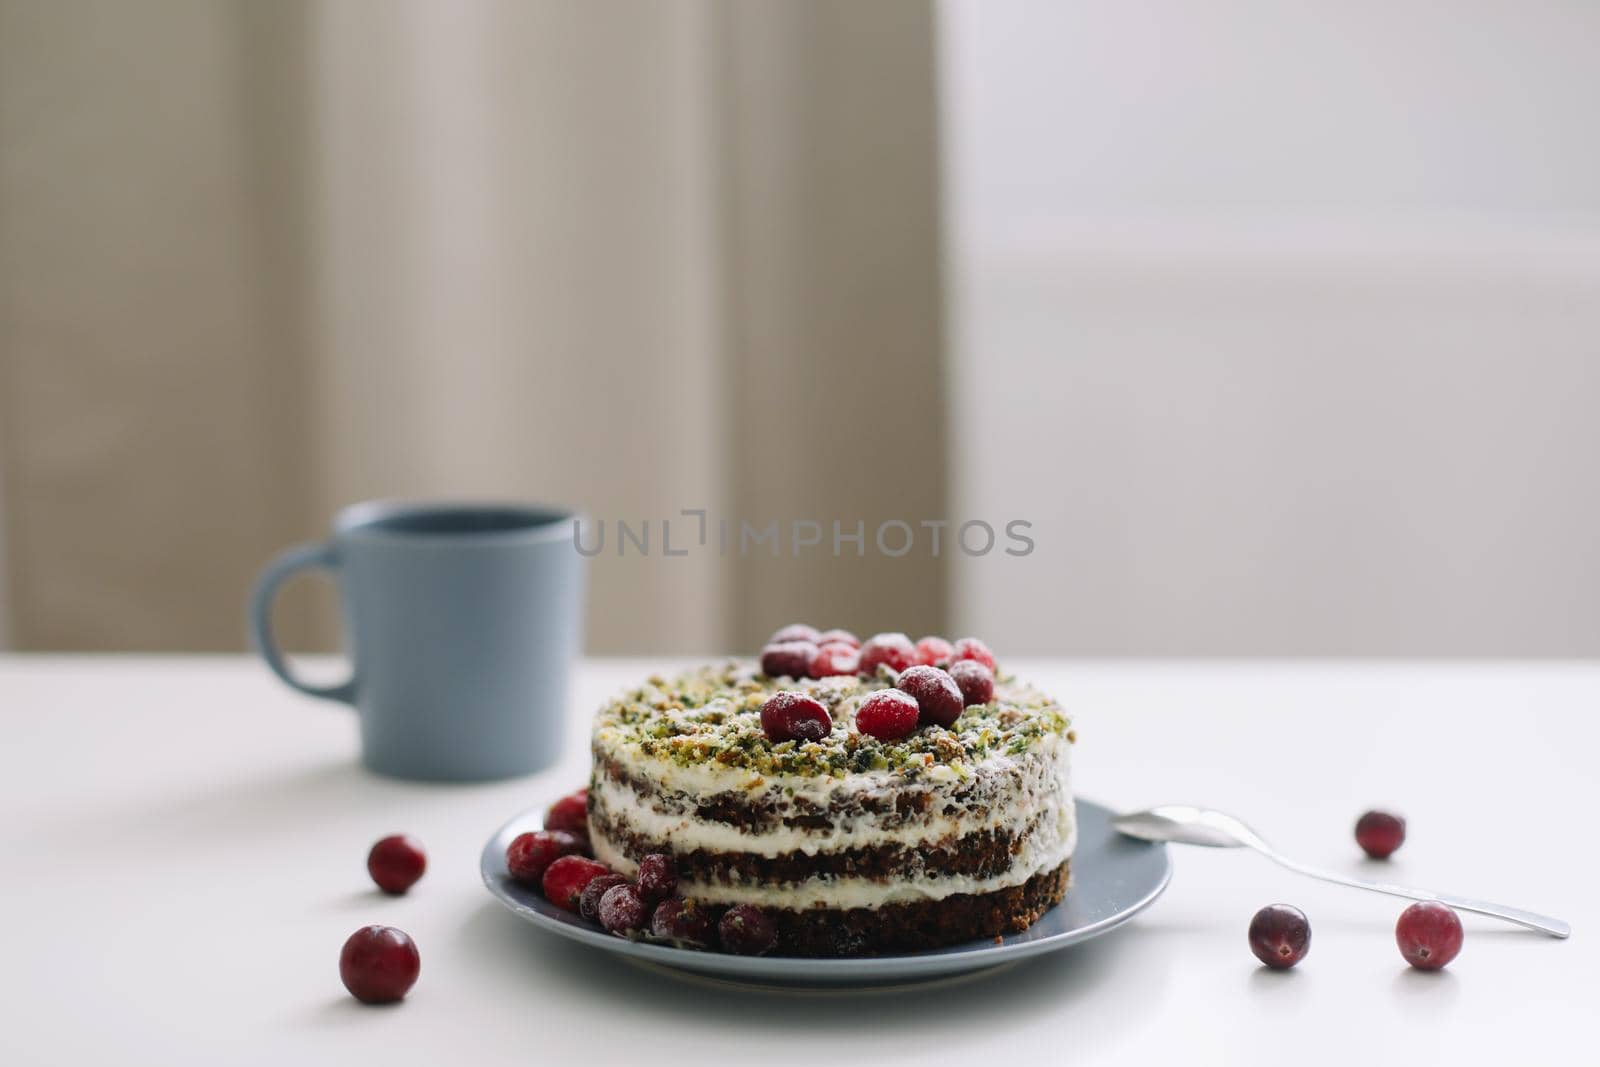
{"type": "Point", "coordinates": [795, 631]}
{"type": "Point", "coordinates": [1280, 936]}
{"type": "Point", "coordinates": [621, 911]}
{"type": "Point", "coordinates": [683, 921]}
{"type": "Point", "coordinates": [888, 715]}
{"type": "Point", "coordinates": [1379, 833]}
{"type": "Point", "coordinates": [975, 681]}
{"type": "Point", "coordinates": [530, 855]}
{"type": "Point", "coordinates": [657, 878]}
{"type": "Point", "coordinates": [844, 637]}
{"type": "Point", "coordinates": [570, 813]}
{"type": "Point", "coordinates": [790, 659]}
{"type": "Point", "coordinates": [566, 879]}
{"type": "Point", "coordinates": [379, 964]}
{"type": "Point", "coordinates": [934, 651]}
{"type": "Point", "coordinates": [834, 658]}
{"type": "Point", "coordinates": [894, 651]}
{"type": "Point", "coordinates": [396, 862]}
{"type": "Point", "coordinates": [745, 930]}
{"type": "Point", "coordinates": [1429, 935]}
{"type": "Point", "coordinates": [973, 649]}
{"type": "Point", "coordinates": [795, 717]}
{"type": "Point", "coordinates": [589, 899]}
{"type": "Point", "coordinates": [935, 692]}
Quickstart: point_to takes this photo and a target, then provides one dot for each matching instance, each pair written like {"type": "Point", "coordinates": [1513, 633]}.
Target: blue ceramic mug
{"type": "Point", "coordinates": [461, 622]}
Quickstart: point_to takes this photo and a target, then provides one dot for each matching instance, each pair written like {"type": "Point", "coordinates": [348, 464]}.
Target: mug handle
{"type": "Point", "coordinates": [279, 571]}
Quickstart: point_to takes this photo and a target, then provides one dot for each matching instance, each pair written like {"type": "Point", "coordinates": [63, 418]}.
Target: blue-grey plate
{"type": "Point", "coordinates": [1113, 879]}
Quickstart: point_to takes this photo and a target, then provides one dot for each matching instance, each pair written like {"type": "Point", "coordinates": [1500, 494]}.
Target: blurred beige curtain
{"type": "Point", "coordinates": [261, 259]}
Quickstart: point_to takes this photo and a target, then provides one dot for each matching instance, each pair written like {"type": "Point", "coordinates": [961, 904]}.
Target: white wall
{"type": "Point", "coordinates": [1280, 321]}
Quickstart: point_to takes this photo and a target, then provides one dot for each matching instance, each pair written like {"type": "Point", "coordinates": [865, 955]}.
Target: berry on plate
{"type": "Point", "coordinates": [396, 862]}
{"type": "Point", "coordinates": [379, 964]}
{"type": "Point", "coordinates": [570, 813]}
{"type": "Point", "coordinates": [530, 855]}
{"type": "Point", "coordinates": [745, 930]}
{"type": "Point", "coordinates": [622, 912]}
{"type": "Point", "coordinates": [657, 878]}
{"type": "Point", "coordinates": [566, 879]}
{"type": "Point", "coordinates": [683, 921]}
{"type": "Point", "coordinates": [589, 899]}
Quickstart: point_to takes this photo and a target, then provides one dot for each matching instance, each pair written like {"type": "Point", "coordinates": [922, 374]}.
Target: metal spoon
{"type": "Point", "coordinates": [1200, 826]}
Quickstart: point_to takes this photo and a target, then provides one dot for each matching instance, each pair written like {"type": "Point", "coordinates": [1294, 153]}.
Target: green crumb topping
{"type": "Point", "coordinates": [712, 716]}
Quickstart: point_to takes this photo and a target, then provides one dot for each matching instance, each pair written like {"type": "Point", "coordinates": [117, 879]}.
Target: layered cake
{"type": "Point", "coordinates": [903, 799]}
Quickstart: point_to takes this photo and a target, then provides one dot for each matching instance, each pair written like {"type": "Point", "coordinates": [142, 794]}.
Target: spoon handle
{"type": "Point", "coordinates": [1532, 920]}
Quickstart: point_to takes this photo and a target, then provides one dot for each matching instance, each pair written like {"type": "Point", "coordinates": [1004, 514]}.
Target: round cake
{"type": "Point", "coordinates": [852, 843]}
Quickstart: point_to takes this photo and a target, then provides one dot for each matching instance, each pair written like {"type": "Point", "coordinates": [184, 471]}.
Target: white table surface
{"type": "Point", "coordinates": [184, 841]}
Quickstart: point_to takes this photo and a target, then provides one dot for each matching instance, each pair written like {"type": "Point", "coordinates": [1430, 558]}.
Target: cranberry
{"type": "Point", "coordinates": [621, 911]}
{"type": "Point", "coordinates": [683, 921]}
{"type": "Point", "coordinates": [530, 855]}
{"type": "Point", "coordinates": [1429, 935]}
{"type": "Point", "coordinates": [834, 658]}
{"type": "Point", "coordinates": [795, 631]}
{"type": "Point", "coordinates": [975, 681]}
{"type": "Point", "coordinates": [566, 879]}
{"type": "Point", "coordinates": [657, 878]}
{"type": "Point", "coordinates": [589, 899]}
{"type": "Point", "coordinates": [1280, 936]}
{"type": "Point", "coordinates": [888, 715]}
{"type": "Point", "coordinates": [934, 651]}
{"type": "Point", "coordinates": [379, 964]}
{"type": "Point", "coordinates": [935, 692]}
{"type": "Point", "coordinates": [396, 862]}
{"type": "Point", "coordinates": [570, 813]}
{"type": "Point", "coordinates": [1379, 833]}
{"type": "Point", "coordinates": [745, 930]}
{"type": "Point", "coordinates": [795, 717]}
{"type": "Point", "coordinates": [894, 651]}
{"type": "Point", "coordinates": [843, 637]}
{"type": "Point", "coordinates": [788, 659]}
{"type": "Point", "coordinates": [973, 649]}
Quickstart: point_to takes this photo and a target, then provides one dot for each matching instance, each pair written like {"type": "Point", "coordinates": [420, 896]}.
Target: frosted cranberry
{"type": "Point", "coordinates": [683, 921]}
{"type": "Point", "coordinates": [795, 717]}
{"type": "Point", "coordinates": [657, 878]}
{"type": "Point", "coordinates": [843, 637]}
{"type": "Point", "coordinates": [570, 813]}
{"type": "Point", "coordinates": [396, 862]}
{"type": "Point", "coordinates": [973, 649]}
{"type": "Point", "coordinates": [621, 911]}
{"type": "Point", "coordinates": [795, 631]}
{"type": "Point", "coordinates": [888, 715]}
{"type": "Point", "coordinates": [832, 659]}
{"type": "Point", "coordinates": [745, 930]}
{"type": "Point", "coordinates": [790, 659]}
{"type": "Point", "coordinates": [1280, 936]}
{"type": "Point", "coordinates": [566, 879]}
{"type": "Point", "coordinates": [1379, 833]}
{"type": "Point", "coordinates": [530, 855]}
{"type": "Point", "coordinates": [589, 899]}
{"type": "Point", "coordinates": [894, 651]}
{"type": "Point", "coordinates": [934, 651]}
{"type": "Point", "coordinates": [975, 681]}
{"type": "Point", "coordinates": [379, 964]}
{"type": "Point", "coordinates": [935, 692]}
{"type": "Point", "coordinates": [1429, 935]}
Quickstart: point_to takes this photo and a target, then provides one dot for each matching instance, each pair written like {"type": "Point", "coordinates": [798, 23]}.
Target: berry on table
{"type": "Point", "coordinates": [570, 813]}
{"type": "Point", "coordinates": [566, 879]}
{"type": "Point", "coordinates": [683, 921]}
{"type": "Point", "coordinates": [1429, 935]}
{"type": "Point", "coordinates": [379, 964]}
{"type": "Point", "coordinates": [842, 637]}
{"type": "Point", "coordinates": [1379, 833]}
{"type": "Point", "coordinates": [935, 692]}
{"type": "Point", "coordinates": [745, 930]}
{"type": "Point", "coordinates": [795, 631]}
{"type": "Point", "coordinates": [621, 911]}
{"type": "Point", "coordinates": [657, 877]}
{"type": "Point", "coordinates": [589, 899]}
{"type": "Point", "coordinates": [790, 659]}
{"type": "Point", "coordinates": [396, 862]}
{"type": "Point", "coordinates": [1280, 936]}
{"type": "Point", "coordinates": [793, 716]}
{"type": "Point", "coordinates": [934, 651]}
{"type": "Point", "coordinates": [973, 649]}
{"type": "Point", "coordinates": [888, 715]}
{"type": "Point", "coordinates": [975, 681]}
{"type": "Point", "coordinates": [894, 651]}
{"type": "Point", "coordinates": [834, 658]}
{"type": "Point", "coordinates": [530, 855]}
